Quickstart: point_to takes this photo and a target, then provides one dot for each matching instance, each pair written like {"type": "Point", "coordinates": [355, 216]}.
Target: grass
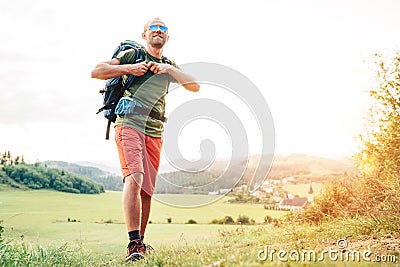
{"type": "Point", "coordinates": [237, 246]}
{"type": "Point", "coordinates": [37, 233]}
{"type": "Point", "coordinates": [21, 254]}
{"type": "Point", "coordinates": [31, 208]}
{"type": "Point", "coordinates": [41, 217]}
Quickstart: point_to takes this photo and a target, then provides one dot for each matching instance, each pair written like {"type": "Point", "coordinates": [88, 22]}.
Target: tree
{"type": "Point", "coordinates": [379, 158]}
{"type": "Point", "coordinates": [3, 159]}
{"type": "Point", "coordinates": [38, 177]}
{"type": "Point", "coordinates": [375, 192]}
{"type": "Point", "coordinates": [9, 159]}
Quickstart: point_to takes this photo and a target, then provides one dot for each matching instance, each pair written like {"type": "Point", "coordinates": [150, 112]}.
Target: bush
{"type": "Point", "coordinates": [268, 219]}
{"type": "Point", "coordinates": [243, 219]}
{"type": "Point", "coordinates": [336, 200]}
{"type": "Point", "coordinates": [228, 220]}
{"type": "Point", "coordinates": [191, 221]}
{"type": "Point", "coordinates": [1, 231]}
{"type": "Point", "coordinates": [215, 221]}
{"type": "Point", "coordinates": [169, 220]}
{"type": "Point", "coordinates": [378, 189]}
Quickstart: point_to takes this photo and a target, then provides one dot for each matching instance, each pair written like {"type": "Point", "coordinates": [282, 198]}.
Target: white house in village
{"type": "Point", "coordinates": [259, 194]}
{"type": "Point", "coordinates": [291, 179]}
{"type": "Point", "coordinates": [276, 198]}
{"type": "Point", "coordinates": [242, 188]}
{"type": "Point", "coordinates": [290, 202]}
{"type": "Point", "coordinates": [267, 187]}
{"type": "Point", "coordinates": [276, 181]}
{"type": "Point", "coordinates": [293, 203]}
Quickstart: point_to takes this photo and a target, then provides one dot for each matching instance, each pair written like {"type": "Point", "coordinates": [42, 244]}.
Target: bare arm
{"type": "Point", "coordinates": [187, 81]}
{"type": "Point", "coordinates": [112, 68]}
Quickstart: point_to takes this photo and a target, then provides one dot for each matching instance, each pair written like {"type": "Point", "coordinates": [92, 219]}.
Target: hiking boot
{"type": "Point", "coordinates": [148, 249]}
{"type": "Point", "coordinates": [136, 250]}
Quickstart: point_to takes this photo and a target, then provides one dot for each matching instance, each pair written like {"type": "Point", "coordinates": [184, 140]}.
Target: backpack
{"type": "Point", "coordinates": [114, 88]}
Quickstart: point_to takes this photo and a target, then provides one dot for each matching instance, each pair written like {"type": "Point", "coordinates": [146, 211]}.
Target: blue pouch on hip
{"type": "Point", "coordinates": [126, 105]}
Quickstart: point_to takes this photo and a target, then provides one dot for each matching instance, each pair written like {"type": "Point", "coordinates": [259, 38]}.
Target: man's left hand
{"type": "Point", "coordinates": [159, 68]}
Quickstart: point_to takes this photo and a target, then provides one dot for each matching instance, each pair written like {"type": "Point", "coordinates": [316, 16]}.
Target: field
{"type": "Point", "coordinates": [88, 230]}
{"type": "Point", "coordinates": [96, 221]}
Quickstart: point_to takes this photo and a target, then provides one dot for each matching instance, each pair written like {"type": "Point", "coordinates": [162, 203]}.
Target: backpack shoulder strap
{"type": "Point", "coordinates": [139, 56]}
{"type": "Point", "coordinates": [167, 61]}
{"type": "Point", "coordinates": [127, 44]}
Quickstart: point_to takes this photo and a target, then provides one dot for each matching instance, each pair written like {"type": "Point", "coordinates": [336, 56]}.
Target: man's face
{"type": "Point", "coordinates": [156, 34]}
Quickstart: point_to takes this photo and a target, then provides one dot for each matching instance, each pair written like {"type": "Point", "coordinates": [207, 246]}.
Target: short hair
{"type": "Point", "coordinates": [147, 25]}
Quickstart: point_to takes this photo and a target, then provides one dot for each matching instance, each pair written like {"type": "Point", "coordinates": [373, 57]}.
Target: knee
{"type": "Point", "coordinates": [134, 180]}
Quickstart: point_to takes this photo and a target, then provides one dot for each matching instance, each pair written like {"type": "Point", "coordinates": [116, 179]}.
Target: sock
{"type": "Point", "coordinates": [135, 234]}
{"type": "Point", "coordinates": [142, 237]}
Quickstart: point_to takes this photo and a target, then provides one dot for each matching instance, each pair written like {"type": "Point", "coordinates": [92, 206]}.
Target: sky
{"type": "Point", "coordinates": [309, 59]}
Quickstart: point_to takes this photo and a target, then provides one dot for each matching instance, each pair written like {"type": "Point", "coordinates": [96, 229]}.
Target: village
{"type": "Point", "coordinates": [271, 194]}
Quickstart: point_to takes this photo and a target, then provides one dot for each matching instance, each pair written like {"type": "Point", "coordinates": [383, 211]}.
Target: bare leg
{"type": "Point", "coordinates": [131, 201]}
{"type": "Point", "coordinates": [146, 205]}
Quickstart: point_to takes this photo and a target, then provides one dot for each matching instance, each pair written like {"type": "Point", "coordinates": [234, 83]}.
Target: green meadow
{"type": "Point", "coordinates": [96, 221]}
{"type": "Point", "coordinates": [50, 228]}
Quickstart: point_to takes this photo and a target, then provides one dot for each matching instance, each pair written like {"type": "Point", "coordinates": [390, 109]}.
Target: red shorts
{"type": "Point", "coordinates": [138, 153]}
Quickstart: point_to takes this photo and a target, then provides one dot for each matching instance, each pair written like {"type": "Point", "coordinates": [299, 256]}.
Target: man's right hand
{"type": "Point", "coordinates": [112, 68]}
{"type": "Point", "coordinates": [138, 69]}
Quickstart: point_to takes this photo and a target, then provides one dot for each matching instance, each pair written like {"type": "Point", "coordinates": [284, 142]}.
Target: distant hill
{"type": "Point", "coordinates": [218, 164]}
{"type": "Point", "coordinates": [27, 176]}
{"type": "Point", "coordinates": [109, 180]}
{"type": "Point", "coordinates": [180, 182]}
{"type": "Point", "coordinates": [312, 164]}
{"type": "Point", "coordinates": [305, 168]}
{"type": "Point", "coordinates": [301, 164]}
{"type": "Point", "coordinates": [108, 167]}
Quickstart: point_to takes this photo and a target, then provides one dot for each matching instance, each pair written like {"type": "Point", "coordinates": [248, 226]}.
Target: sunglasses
{"type": "Point", "coordinates": [162, 28]}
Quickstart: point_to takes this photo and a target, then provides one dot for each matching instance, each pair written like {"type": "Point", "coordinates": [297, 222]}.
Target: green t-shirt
{"type": "Point", "coordinates": [150, 90]}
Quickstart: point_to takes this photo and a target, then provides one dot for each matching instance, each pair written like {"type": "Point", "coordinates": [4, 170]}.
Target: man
{"type": "Point", "coordinates": [139, 137]}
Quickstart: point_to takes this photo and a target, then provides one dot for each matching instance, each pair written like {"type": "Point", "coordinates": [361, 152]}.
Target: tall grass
{"type": "Point", "coordinates": [366, 202]}
{"type": "Point", "coordinates": [374, 194]}
{"type": "Point", "coordinates": [18, 253]}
